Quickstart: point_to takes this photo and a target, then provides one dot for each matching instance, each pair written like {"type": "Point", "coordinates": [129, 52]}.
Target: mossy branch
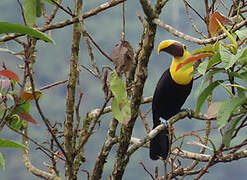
{"type": "Point", "coordinates": [71, 95]}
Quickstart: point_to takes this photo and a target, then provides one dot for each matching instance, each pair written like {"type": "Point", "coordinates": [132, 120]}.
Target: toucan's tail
{"type": "Point", "coordinates": [159, 145]}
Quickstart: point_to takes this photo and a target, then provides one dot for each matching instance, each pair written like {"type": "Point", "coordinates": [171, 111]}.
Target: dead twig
{"type": "Point", "coordinates": [52, 85]}
{"type": "Point", "coordinates": [145, 169]}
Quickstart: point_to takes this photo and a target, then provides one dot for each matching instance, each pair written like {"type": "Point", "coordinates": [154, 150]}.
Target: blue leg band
{"type": "Point", "coordinates": [164, 121]}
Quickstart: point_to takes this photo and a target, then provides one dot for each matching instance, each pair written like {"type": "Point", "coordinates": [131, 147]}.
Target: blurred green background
{"type": "Point", "coordinates": [52, 65]}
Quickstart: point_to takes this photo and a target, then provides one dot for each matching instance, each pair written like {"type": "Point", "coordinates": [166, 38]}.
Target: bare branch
{"type": "Point", "coordinates": [35, 171]}
{"type": "Point", "coordinates": [186, 37]}
{"type": "Point", "coordinates": [61, 7]}
{"type": "Point", "coordinates": [35, 142]}
{"type": "Point", "coordinates": [52, 85]}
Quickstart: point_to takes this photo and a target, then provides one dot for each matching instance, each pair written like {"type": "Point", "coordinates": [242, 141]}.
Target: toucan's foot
{"type": "Point", "coordinates": [164, 121]}
{"type": "Point", "coordinates": [189, 111]}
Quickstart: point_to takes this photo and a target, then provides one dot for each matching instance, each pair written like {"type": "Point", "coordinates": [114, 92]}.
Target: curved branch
{"type": "Point", "coordinates": [229, 157]}
{"type": "Point", "coordinates": [187, 37]}
{"type": "Point", "coordinates": [155, 131]}
{"type": "Point", "coordinates": [35, 171]}
{"type": "Point", "coordinates": [94, 113]}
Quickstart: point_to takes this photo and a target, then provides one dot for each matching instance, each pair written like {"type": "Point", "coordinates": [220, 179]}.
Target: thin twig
{"type": "Point", "coordinates": [144, 121]}
{"type": "Point", "coordinates": [224, 5]}
{"type": "Point", "coordinates": [123, 33]}
{"type": "Point", "coordinates": [64, 9]}
{"type": "Point", "coordinates": [90, 52]}
{"type": "Point", "coordinates": [45, 120]}
{"type": "Point", "coordinates": [194, 10]}
{"type": "Point", "coordinates": [87, 172]}
{"type": "Point", "coordinates": [77, 111]}
{"type": "Point", "coordinates": [92, 72]}
{"type": "Point", "coordinates": [54, 12]}
{"type": "Point", "coordinates": [22, 12]}
{"type": "Point", "coordinates": [35, 142]}
{"type": "Point", "coordinates": [84, 137]}
{"type": "Point", "coordinates": [98, 47]}
{"type": "Point", "coordinates": [145, 169]}
{"type": "Point", "coordinates": [44, 12]}
{"type": "Point", "coordinates": [52, 85]}
{"type": "Point", "coordinates": [192, 21]}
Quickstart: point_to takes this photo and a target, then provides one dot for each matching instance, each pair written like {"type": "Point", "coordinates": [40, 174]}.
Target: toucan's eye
{"type": "Point", "coordinates": [185, 47]}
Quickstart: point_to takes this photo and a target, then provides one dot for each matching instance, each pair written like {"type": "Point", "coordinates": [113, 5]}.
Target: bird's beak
{"type": "Point", "coordinates": [191, 59]}
{"type": "Point", "coordinates": [172, 47]}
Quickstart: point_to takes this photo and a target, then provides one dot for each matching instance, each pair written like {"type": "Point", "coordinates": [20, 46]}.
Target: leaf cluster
{"type": "Point", "coordinates": [15, 102]}
{"type": "Point", "coordinates": [228, 59]}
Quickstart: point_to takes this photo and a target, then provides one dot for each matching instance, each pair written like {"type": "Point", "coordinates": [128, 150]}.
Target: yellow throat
{"type": "Point", "coordinates": [182, 77]}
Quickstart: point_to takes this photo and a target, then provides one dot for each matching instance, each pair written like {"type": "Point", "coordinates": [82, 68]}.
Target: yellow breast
{"type": "Point", "coordinates": [182, 77]}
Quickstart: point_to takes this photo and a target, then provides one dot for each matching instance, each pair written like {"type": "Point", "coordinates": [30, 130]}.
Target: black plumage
{"type": "Point", "coordinates": [167, 101]}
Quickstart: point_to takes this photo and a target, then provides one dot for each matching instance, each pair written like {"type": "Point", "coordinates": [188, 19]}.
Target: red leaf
{"type": "Point", "coordinates": [213, 26]}
{"type": "Point", "coordinates": [194, 57]}
{"type": "Point", "coordinates": [27, 117]}
{"type": "Point", "coordinates": [9, 74]}
{"type": "Point", "coordinates": [27, 95]}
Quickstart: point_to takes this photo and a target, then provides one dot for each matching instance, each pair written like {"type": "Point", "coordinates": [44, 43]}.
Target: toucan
{"type": "Point", "coordinates": [171, 92]}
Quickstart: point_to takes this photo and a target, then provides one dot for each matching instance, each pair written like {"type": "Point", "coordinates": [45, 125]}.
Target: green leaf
{"type": "Point", "coordinates": [205, 93]}
{"type": "Point", "coordinates": [206, 79]}
{"type": "Point", "coordinates": [227, 108]}
{"type": "Point", "coordinates": [207, 64]}
{"type": "Point", "coordinates": [226, 57]}
{"type": "Point", "coordinates": [11, 144]}
{"type": "Point", "coordinates": [120, 103]}
{"type": "Point", "coordinates": [117, 86]}
{"type": "Point", "coordinates": [229, 129]}
{"type": "Point", "coordinates": [241, 33]}
{"type": "Point", "coordinates": [121, 110]}
{"type": "Point", "coordinates": [239, 55]}
{"type": "Point", "coordinates": [202, 68]}
{"type": "Point", "coordinates": [23, 106]}
{"type": "Point", "coordinates": [230, 36]}
{"type": "Point", "coordinates": [2, 161]}
{"type": "Point", "coordinates": [241, 92]}
{"type": "Point", "coordinates": [242, 76]}
{"type": "Point", "coordinates": [15, 122]}
{"type": "Point", "coordinates": [7, 27]}
{"type": "Point", "coordinates": [208, 48]}
{"type": "Point", "coordinates": [38, 8]}
{"type": "Point", "coordinates": [29, 7]}
{"type": "Point", "coordinates": [243, 60]}
{"type": "Point", "coordinates": [237, 86]}
{"type": "Point", "coordinates": [214, 59]}
{"type": "Point", "coordinates": [227, 89]}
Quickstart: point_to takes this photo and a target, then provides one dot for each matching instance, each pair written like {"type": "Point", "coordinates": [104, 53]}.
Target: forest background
{"type": "Point", "coordinates": [52, 65]}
